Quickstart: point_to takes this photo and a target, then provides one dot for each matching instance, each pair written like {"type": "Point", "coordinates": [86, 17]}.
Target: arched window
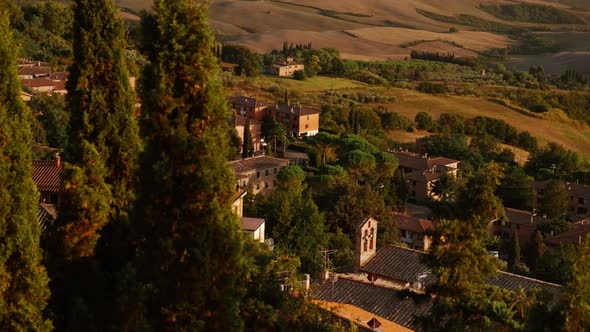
{"type": "Point", "coordinates": [365, 245]}
{"type": "Point", "coordinates": [372, 238]}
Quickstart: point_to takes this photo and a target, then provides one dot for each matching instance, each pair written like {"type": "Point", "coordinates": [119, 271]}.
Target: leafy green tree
{"type": "Point", "coordinates": [463, 301]}
{"type": "Point", "coordinates": [183, 224]}
{"type": "Point", "coordinates": [424, 121]}
{"type": "Point", "coordinates": [51, 113]}
{"type": "Point", "coordinates": [554, 202]}
{"type": "Point", "coordinates": [516, 190]}
{"type": "Point", "coordinates": [477, 199]}
{"type": "Point", "coordinates": [313, 67]}
{"type": "Point", "coordinates": [297, 224]}
{"type": "Point", "coordinates": [325, 144]}
{"type": "Point", "coordinates": [445, 187]}
{"type": "Point", "coordinates": [300, 75]}
{"type": "Point", "coordinates": [553, 157]}
{"type": "Point", "coordinates": [248, 62]}
{"type": "Point", "coordinates": [23, 289]}
{"type": "Point", "coordinates": [247, 144]}
{"type": "Point", "coordinates": [577, 291]}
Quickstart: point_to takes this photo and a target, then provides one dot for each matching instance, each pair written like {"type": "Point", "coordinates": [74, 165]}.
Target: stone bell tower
{"type": "Point", "coordinates": [366, 242]}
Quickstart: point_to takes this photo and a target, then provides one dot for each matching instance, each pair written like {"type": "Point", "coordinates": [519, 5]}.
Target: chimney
{"type": "Point", "coordinates": [57, 160]}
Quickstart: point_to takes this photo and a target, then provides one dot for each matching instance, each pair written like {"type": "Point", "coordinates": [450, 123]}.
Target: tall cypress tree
{"type": "Point", "coordinates": [23, 280]}
{"type": "Point", "coordinates": [101, 155]}
{"type": "Point", "coordinates": [189, 266]}
{"type": "Point", "coordinates": [101, 99]}
{"type": "Point", "coordinates": [248, 144]}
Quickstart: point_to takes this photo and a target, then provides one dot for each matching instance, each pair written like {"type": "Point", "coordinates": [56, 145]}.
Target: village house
{"type": "Point", "coordinates": [258, 172]}
{"type": "Point", "coordinates": [286, 68]}
{"type": "Point", "coordinates": [299, 121]}
{"type": "Point", "coordinates": [60, 76]}
{"type": "Point", "coordinates": [579, 198]}
{"type": "Point", "coordinates": [47, 176]}
{"type": "Point", "coordinates": [41, 85]}
{"type": "Point", "coordinates": [574, 236]}
{"type": "Point", "coordinates": [413, 231]}
{"type": "Point", "coordinates": [383, 274]}
{"type": "Point", "coordinates": [31, 72]}
{"type": "Point", "coordinates": [519, 222]}
{"type": "Point", "coordinates": [421, 172]}
{"type": "Point", "coordinates": [255, 227]}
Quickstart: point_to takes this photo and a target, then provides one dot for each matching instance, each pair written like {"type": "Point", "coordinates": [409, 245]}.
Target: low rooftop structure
{"type": "Point", "coordinates": [574, 236]}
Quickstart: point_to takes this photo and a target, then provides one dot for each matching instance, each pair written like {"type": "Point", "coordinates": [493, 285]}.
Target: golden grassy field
{"type": "Point", "coordinates": [472, 40]}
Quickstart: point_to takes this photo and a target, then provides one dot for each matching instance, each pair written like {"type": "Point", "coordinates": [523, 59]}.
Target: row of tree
{"type": "Point", "coordinates": [145, 239]}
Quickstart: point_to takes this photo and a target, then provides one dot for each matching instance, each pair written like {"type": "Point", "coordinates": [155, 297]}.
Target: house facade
{"type": "Point", "coordinates": [520, 223]}
{"type": "Point", "coordinates": [421, 172]}
{"type": "Point", "coordinates": [286, 68]}
{"type": "Point", "coordinates": [414, 231]}
{"type": "Point", "coordinates": [299, 121]}
{"type": "Point", "coordinates": [48, 176]}
{"type": "Point", "coordinates": [254, 227]}
{"type": "Point", "coordinates": [259, 172]}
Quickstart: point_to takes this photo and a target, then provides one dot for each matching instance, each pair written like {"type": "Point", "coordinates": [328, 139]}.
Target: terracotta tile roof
{"type": "Point", "coordinates": [513, 282]}
{"type": "Point", "coordinates": [47, 175]}
{"type": "Point", "coordinates": [412, 224]}
{"type": "Point", "coordinates": [59, 85]}
{"type": "Point", "coordinates": [251, 224]}
{"type": "Point", "coordinates": [385, 302]}
{"type": "Point", "coordinates": [521, 217]}
{"type": "Point", "coordinates": [34, 71]}
{"type": "Point", "coordinates": [247, 101]}
{"type": "Point", "coordinates": [60, 76]}
{"type": "Point", "coordinates": [38, 82]}
{"type": "Point", "coordinates": [293, 109]}
{"type": "Point", "coordinates": [420, 162]}
{"type": "Point", "coordinates": [257, 163]}
{"type": "Point", "coordinates": [572, 236]}
{"type": "Point", "coordinates": [403, 264]}
{"type": "Point", "coordinates": [397, 263]}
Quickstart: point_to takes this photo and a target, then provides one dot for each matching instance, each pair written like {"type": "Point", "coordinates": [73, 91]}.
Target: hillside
{"type": "Point", "coordinates": [553, 126]}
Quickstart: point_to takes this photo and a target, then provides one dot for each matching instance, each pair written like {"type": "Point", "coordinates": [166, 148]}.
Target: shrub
{"type": "Point", "coordinates": [433, 88]}
{"type": "Point", "coordinates": [300, 75]}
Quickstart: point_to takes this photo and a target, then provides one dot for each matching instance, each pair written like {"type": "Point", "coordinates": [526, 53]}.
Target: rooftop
{"type": "Point", "coordinates": [251, 224]}
{"type": "Point", "coordinates": [38, 82]}
{"type": "Point", "coordinates": [47, 175]}
{"type": "Point", "coordinates": [46, 215]}
{"type": "Point", "coordinates": [60, 76]}
{"type": "Point", "coordinates": [412, 224]}
{"type": "Point", "coordinates": [294, 109]}
{"type": "Point", "coordinates": [402, 264]}
{"type": "Point", "coordinates": [422, 162]}
{"type": "Point", "coordinates": [257, 163]}
{"type": "Point", "coordinates": [388, 303]}
{"type": "Point", "coordinates": [574, 236]}
{"type": "Point", "coordinates": [34, 71]}
{"type": "Point", "coordinates": [522, 217]}
{"type": "Point", "coordinates": [248, 102]}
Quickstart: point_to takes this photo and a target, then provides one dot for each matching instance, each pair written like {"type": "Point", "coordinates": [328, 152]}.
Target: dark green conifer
{"type": "Point", "coordinates": [101, 99]}
{"type": "Point", "coordinates": [189, 266]}
{"type": "Point", "coordinates": [247, 144]}
{"type": "Point", "coordinates": [23, 280]}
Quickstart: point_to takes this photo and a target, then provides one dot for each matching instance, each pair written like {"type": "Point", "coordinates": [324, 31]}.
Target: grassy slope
{"type": "Point", "coordinates": [553, 127]}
